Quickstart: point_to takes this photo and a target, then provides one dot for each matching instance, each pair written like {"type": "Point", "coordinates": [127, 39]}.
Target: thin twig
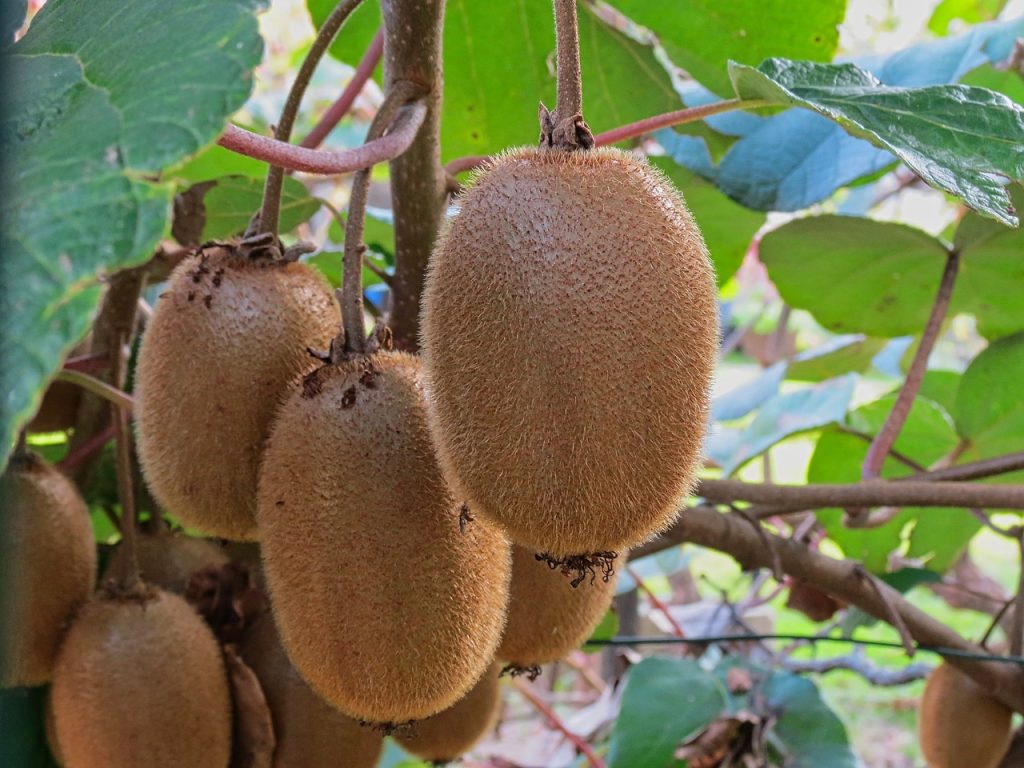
{"type": "Point", "coordinates": [552, 717]}
{"type": "Point", "coordinates": [890, 430]}
{"type": "Point", "coordinates": [82, 453]}
{"type": "Point", "coordinates": [89, 363]}
{"type": "Point", "coordinates": [398, 95]}
{"type": "Point", "coordinates": [1017, 619]}
{"type": "Point", "coordinates": [976, 470]}
{"type": "Point", "coordinates": [344, 103]}
{"type": "Point", "coordinates": [98, 387]}
{"type": "Point", "coordinates": [656, 602]}
{"type": "Point", "coordinates": [855, 662]}
{"type": "Point", "coordinates": [128, 567]}
{"type": "Point", "coordinates": [894, 616]}
{"type": "Point", "coordinates": [320, 161]}
{"type": "Point", "coordinates": [271, 209]}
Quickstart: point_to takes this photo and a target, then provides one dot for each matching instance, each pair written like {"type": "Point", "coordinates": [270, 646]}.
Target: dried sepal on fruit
{"type": "Point", "coordinates": [385, 604]}
{"type": "Point", "coordinates": [547, 616]}
{"type": "Point", "coordinates": [140, 681]}
{"type": "Point", "coordinates": [47, 566]}
{"type": "Point", "coordinates": [228, 335]}
{"type": "Point", "coordinates": [570, 330]}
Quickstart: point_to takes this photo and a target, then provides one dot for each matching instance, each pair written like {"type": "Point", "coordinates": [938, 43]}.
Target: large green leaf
{"type": "Point", "coordinates": [970, 11]}
{"type": "Point", "coordinates": [665, 702]}
{"type": "Point", "coordinates": [958, 138]}
{"type": "Point", "coordinates": [727, 226]}
{"type": "Point", "coordinates": [881, 278]}
{"type": "Point", "coordinates": [809, 733]}
{"type": "Point", "coordinates": [497, 59]}
{"type": "Point", "coordinates": [21, 721]}
{"type": "Point", "coordinates": [701, 36]}
{"type": "Point", "coordinates": [989, 410]}
{"type": "Point", "coordinates": [854, 274]}
{"type": "Point", "coordinates": [357, 32]}
{"type": "Point", "coordinates": [102, 95]}
{"type": "Point", "coordinates": [232, 200]}
{"type": "Point", "coordinates": [843, 354]}
{"type": "Point", "coordinates": [935, 534]}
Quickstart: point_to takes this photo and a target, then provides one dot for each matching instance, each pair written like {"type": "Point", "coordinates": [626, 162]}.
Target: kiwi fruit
{"type": "Point", "coordinates": [309, 732]}
{"type": "Point", "coordinates": [168, 560]}
{"type": "Point", "coordinates": [140, 681]}
{"type": "Point", "coordinates": [569, 334]}
{"type": "Point", "coordinates": [47, 566]}
{"type": "Point", "coordinates": [445, 736]}
{"type": "Point", "coordinates": [389, 600]}
{"type": "Point", "coordinates": [226, 338]}
{"type": "Point", "coordinates": [547, 616]}
{"type": "Point", "coordinates": [959, 723]}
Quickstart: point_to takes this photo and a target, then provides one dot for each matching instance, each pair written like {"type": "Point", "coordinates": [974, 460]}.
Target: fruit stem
{"type": "Point", "coordinates": [271, 209]}
{"type": "Point", "coordinates": [127, 576]}
{"type": "Point", "coordinates": [1017, 617]}
{"type": "Point", "coordinates": [565, 129]}
{"type": "Point", "coordinates": [97, 387]}
{"type": "Point", "coordinates": [344, 103]}
{"type": "Point", "coordinates": [400, 93]}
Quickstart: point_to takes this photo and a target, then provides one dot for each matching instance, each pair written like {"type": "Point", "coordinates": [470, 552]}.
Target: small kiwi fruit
{"type": "Point", "coordinates": [309, 732]}
{"type": "Point", "coordinates": [226, 338]}
{"type": "Point", "coordinates": [445, 736]}
{"type": "Point", "coordinates": [47, 566]}
{"type": "Point", "coordinates": [959, 723]}
{"type": "Point", "coordinates": [168, 560]}
{"type": "Point", "coordinates": [140, 681]}
{"type": "Point", "coordinates": [388, 602]}
{"type": "Point", "coordinates": [569, 333]}
{"type": "Point", "coordinates": [547, 616]}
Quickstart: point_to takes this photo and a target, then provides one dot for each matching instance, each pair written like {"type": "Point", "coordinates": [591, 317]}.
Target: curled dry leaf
{"type": "Point", "coordinates": [227, 597]}
{"type": "Point", "coordinates": [252, 737]}
{"type": "Point", "coordinates": [811, 601]}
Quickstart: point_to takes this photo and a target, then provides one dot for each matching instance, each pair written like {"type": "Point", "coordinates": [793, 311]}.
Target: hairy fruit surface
{"type": "Point", "coordinates": [227, 337]}
{"type": "Point", "coordinates": [570, 330]}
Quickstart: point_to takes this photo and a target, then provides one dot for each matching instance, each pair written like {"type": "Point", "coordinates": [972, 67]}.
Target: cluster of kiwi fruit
{"type": "Point", "coordinates": [422, 521]}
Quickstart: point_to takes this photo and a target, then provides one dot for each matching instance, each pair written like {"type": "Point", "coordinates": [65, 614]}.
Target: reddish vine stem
{"type": "Point", "coordinates": [897, 417]}
{"type": "Point", "coordinates": [565, 129]}
{"type": "Point", "coordinates": [322, 162]}
{"type": "Point", "coordinates": [656, 602]}
{"type": "Point", "coordinates": [344, 103]}
{"type": "Point", "coordinates": [1017, 618]}
{"type": "Point", "coordinates": [78, 455]}
{"type": "Point", "coordinates": [400, 92]}
{"type": "Point", "coordinates": [271, 209]}
{"type": "Point", "coordinates": [552, 717]}
{"type": "Point", "coordinates": [632, 130]}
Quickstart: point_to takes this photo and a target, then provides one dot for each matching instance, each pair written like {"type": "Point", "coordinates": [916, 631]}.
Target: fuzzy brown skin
{"type": "Point", "coordinates": [960, 725]}
{"type": "Point", "coordinates": [212, 370]}
{"type": "Point", "coordinates": [570, 330]}
{"type": "Point", "coordinates": [547, 616]}
{"type": "Point", "coordinates": [387, 608]}
{"type": "Point", "coordinates": [47, 566]}
{"type": "Point", "coordinates": [141, 683]}
{"type": "Point", "coordinates": [453, 732]}
{"type": "Point", "coordinates": [168, 560]}
{"type": "Point", "coordinates": [310, 733]}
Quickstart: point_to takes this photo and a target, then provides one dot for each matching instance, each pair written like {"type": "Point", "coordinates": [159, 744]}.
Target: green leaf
{"type": "Point", "coordinates": [727, 227]}
{"type": "Point", "coordinates": [21, 721]}
{"type": "Point", "coordinates": [989, 410]}
{"type": "Point", "coordinates": [101, 95]}
{"type": "Point", "coordinates": [12, 16]}
{"type": "Point", "coordinates": [936, 534]}
{"type": "Point", "coordinates": [1008, 82]}
{"type": "Point", "coordinates": [970, 11]}
{"type": "Point", "coordinates": [702, 36]}
{"type": "Point", "coordinates": [809, 732]}
{"type": "Point", "coordinates": [231, 203]}
{"type": "Point", "coordinates": [780, 417]}
{"type": "Point", "coordinates": [356, 33]}
{"type": "Point", "coordinates": [214, 162]}
{"type": "Point", "coordinates": [940, 387]}
{"type": "Point", "coordinates": [854, 274]}
{"type": "Point", "coordinates": [665, 702]}
{"type": "Point", "coordinates": [844, 354]}
{"type": "Point", "coordinates": [606, 630]}
{"type": "Point", "coordinates": [955, 137]}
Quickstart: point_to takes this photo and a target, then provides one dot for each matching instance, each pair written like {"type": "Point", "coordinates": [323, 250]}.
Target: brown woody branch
{"type": "Point", "coordinates": [735, 536]}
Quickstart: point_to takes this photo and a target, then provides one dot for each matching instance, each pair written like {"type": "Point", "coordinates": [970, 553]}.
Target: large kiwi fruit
{"type": "Point", "coordinates": [47, 566]}
{"type": "Point", "coordinates": [168, 560]}
{"type": "Point", "coordinates": [309, 732]}
{"type": "Point", "coordinates": [390, 601]}
{"type": "Point", "coordinates": [226, 338]}
{"type": "Point", "coordinates": [445, 736]}
{"type": "Point", "coordinates": [570, 330]}
{"type": "Point", "coordinates": [140, 681]}
{"type": "Point", "coordinates": [959, 723]}
{"type": "Point", "coordinates": [547, 616]}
